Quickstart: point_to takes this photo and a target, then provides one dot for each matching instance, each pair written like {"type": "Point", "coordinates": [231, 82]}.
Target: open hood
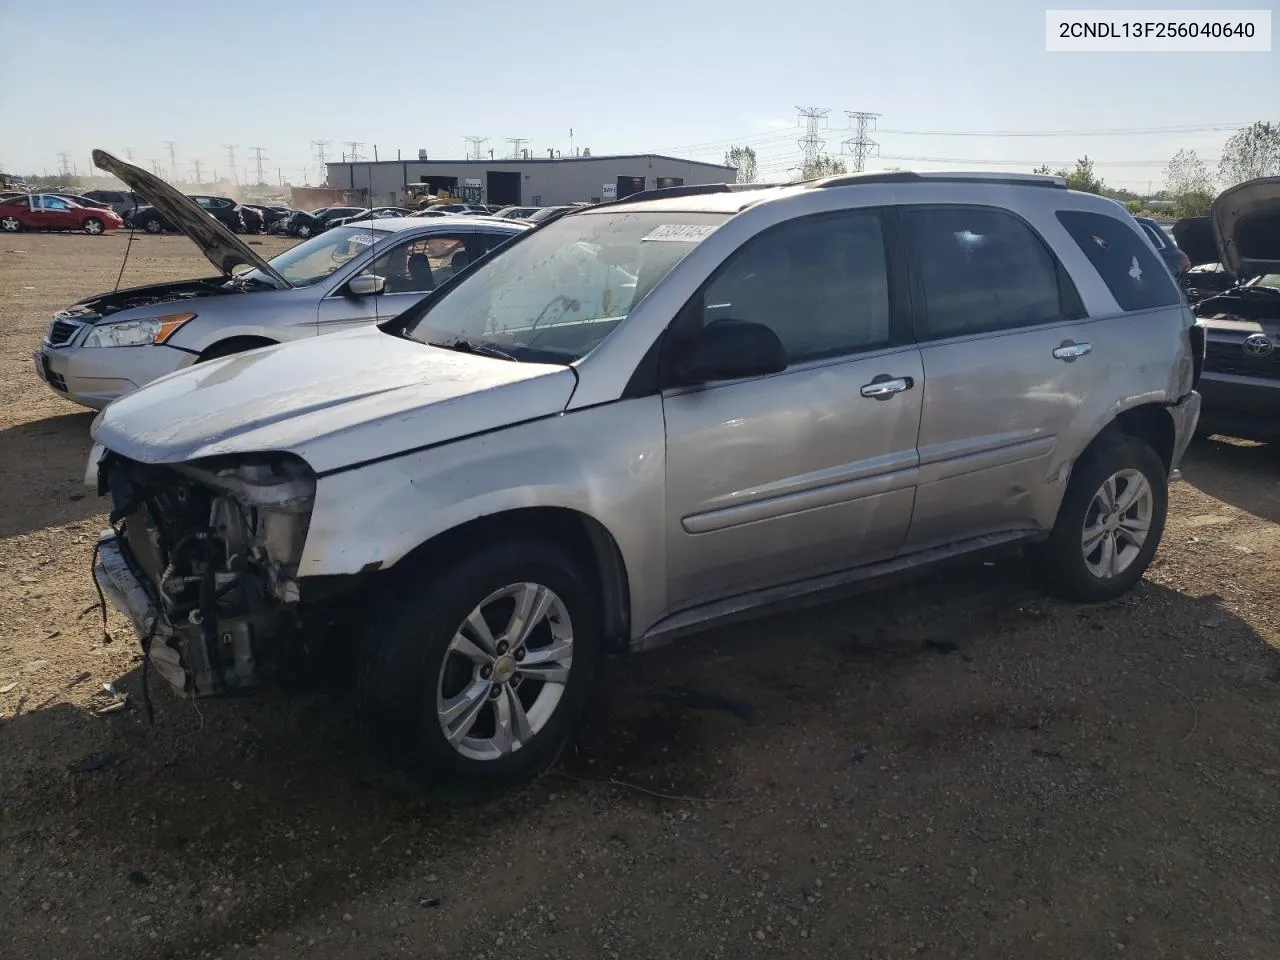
{"type": "Point", "coordinates": [1194, 237]}
{"type": "Point", "coordinates": [222, 247]}
{"type": "Point", "coordinates": [1246, 226]}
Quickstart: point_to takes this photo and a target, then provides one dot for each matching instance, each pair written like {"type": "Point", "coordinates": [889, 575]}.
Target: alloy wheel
{"type": "Point", "coordinates": [505, 671]}
{"type": "Point", "coordinates": [10, 224]}
{"type": "Point", "coordinates": [93, 226]}
{"type": "Point", "coordinates": [1117, 523]}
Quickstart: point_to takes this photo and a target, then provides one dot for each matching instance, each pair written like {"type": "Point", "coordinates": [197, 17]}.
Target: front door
{"type": "Point", "coordinates": [782, 477]}
{"type": "Point", "coordinates": [52, 213]}
{"type": "Point", "coordinates": [1008, 364]}
{"type": "Point", "coordinates": [411, 270]}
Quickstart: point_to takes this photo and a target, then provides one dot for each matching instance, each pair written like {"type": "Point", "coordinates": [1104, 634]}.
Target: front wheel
{"type": "Point", "coordinates": [152, 225]}
{"type": "Point", "coordinates": [10, 224]}
{"type": "Point", "coordinates": [304, 230]}
{"type": "Point", "coordinates": [92, 226]}
{"type": "Point", "coordinates": [1109, 524]}
{"type": "Point", "coordinates": [473, 678]}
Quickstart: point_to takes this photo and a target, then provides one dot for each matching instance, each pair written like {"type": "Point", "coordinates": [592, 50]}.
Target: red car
{"type": "Point", "coordinates": [42, 211]}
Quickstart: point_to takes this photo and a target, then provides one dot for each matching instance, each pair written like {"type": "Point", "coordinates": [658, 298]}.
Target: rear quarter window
{"type": "Point", "coordinates": [1128, 266]}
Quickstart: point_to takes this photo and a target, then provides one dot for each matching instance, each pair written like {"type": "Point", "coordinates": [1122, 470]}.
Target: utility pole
{"type": "Point", "coordinates": [860, 144]}
{"type": "Point", "coordinates": [353, 150]}
{"type": "Point", "coordinates": [475, 147]}
{"type": "Point", "coordinates": [231, 159]}
{"type": "Point", "coordinates": [257, 155]}
{"type": "Point", "coordinates": [173, 158]}
{"type": "Point", "coordinates": [322, 147]}
{"type": "Point", "coordinates": [64, 164]}
{"type": "Point", "coordinates": [196, 164]}
{"type": "Point", "coordinates": [811, 143]}
{"type": "Point", "coordinates": [516, 144]}
{"type": "Point", "coordinates": [571, 141]}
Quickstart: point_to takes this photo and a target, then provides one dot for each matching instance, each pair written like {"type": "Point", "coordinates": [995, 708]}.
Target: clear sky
{"type": "Point", "coordinates": [684, 77]}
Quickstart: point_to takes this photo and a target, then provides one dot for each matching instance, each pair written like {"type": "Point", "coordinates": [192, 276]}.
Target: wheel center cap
{"type": "Point", "coordinates": [504, 668]}
{"type": "Point", "coordinates": [1113, 521]}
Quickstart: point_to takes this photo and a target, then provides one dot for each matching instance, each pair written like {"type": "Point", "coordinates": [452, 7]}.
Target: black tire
{"type": "Point", "coordinates": [10, 224]}
{"type": "Point", "coordinates": [153, 225]}
{"type": "Point", "coordinates": [227, 348]}
{"type": "Point", "coordinates": [92, 226]}
{"type": "Point", "coordinates": [405, 646]}
{"type": "Point", "coordinates": [1061, 560]}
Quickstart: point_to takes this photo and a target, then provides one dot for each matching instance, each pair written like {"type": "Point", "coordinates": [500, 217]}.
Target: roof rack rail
{"type": "Point", "coordinates": [912, 176]}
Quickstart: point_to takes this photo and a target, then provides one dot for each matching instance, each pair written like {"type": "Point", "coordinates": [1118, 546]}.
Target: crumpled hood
{"type": "Point", "coordinates": [220, 246]}
{"type": "Point", "coordinates": [335, 400]}
{"type": "Point", "coordinates": [1246, 226]}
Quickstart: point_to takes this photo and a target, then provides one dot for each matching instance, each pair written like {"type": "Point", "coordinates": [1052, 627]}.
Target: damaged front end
{"type": "Point", "coordinates": [203, 559]}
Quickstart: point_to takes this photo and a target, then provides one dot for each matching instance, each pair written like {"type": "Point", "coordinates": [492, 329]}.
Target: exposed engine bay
{"type": "Point", "coordinates": [205, 556]}
{"type": "Point", "coordinates": [95, 308]}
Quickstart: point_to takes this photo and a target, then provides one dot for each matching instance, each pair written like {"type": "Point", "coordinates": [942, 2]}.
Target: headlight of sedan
{"type": "Point", "coordinates": [137, 333]}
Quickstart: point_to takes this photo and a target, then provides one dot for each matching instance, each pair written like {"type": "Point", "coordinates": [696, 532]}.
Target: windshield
{"type": "Point", "coordinates": [556, 293]}
{"type": "Point", "coordinates": [313, 260]}
{"type": "Point", "coordinates": [539, 215]}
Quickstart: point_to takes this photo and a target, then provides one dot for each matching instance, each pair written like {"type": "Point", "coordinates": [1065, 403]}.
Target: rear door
{"type": "Point", "coordinates": [1007, 364]}
{"type": "Point", "coordinates": [778, 478]}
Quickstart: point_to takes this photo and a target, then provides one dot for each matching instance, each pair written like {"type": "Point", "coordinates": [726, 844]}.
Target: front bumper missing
{"type": "Point", "coordinates": [127, 594]}
{"type": "Point", "coordinates": [179, 652]}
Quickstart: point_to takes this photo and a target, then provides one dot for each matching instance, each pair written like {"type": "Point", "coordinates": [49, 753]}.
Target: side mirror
{"type": "Point", "coordinates": [730, 350]}
{"type": "Point", "coordinates": [365, 285]}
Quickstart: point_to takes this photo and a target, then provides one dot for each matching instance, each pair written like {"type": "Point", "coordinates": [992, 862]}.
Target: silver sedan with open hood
{"type": "Point", "coordinates": [110, 344]}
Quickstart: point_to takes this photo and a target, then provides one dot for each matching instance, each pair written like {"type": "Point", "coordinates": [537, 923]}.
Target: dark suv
{"type": "Point", "coordinates": [1241, 381]}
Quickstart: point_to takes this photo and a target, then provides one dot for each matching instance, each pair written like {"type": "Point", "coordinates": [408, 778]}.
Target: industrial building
{"type": "Point", "coordinates": [529, 181]}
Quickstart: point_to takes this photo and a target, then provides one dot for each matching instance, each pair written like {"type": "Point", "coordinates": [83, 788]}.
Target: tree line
{"type": "Point", "coordinates": [1251, 152]}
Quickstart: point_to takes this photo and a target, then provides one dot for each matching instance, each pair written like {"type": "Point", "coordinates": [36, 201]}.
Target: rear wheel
{"type": "Point", "coordinates": [473, 677]}
{"type": "Point", "coordinates": [10, 224]}
{"type": "Point", "coordinates": [92, 226]}
{"type": "Point", "coordinates": [1109, 524]}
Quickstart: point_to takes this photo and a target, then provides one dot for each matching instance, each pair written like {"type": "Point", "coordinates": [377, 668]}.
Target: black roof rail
{"type": "Point", "coordinates": [912, 176]}
{"type": "Point", "coordinates": [692, 190]}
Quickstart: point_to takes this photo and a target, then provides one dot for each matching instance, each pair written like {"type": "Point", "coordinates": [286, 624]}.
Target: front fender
{"type": "Point", "coordinates": [606, 463]}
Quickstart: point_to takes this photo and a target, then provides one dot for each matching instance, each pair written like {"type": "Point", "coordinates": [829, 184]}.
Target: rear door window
{"type": "Point", "coordinates": [1130, 268]}
{"type": "Point", "coordinates": [982, 270]}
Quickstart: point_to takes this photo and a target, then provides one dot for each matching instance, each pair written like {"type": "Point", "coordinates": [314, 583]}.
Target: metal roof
{"type": "Point", "coordinates": [510, 161]}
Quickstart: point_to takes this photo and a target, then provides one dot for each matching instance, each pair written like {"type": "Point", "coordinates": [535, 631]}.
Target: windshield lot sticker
{"type": "Point", "coordinates": [364, 239]}
{"type": "Point", "coordinates": [680, 232]}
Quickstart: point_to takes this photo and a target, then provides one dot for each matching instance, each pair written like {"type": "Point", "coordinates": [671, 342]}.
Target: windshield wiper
{"type": "Point", "coordinates": [466, 346]}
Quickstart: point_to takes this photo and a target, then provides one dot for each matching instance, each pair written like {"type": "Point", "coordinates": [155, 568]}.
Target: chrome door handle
{"type": "Point", "coordinates": [1069, 350]}
{"type": "Point", "coordinates": [884, 386]}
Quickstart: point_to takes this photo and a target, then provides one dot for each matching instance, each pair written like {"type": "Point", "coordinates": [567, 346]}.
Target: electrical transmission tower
{"type": "Point", "coordinates": [353, 151]}
{"type": "Point", "coordinates": [257, 155]}
{"type": "Point", "coordinates": [64, 164]}
{"type": "Point", "coordinates": [475, 147]}
{"type": "Point", "coordinates": [196, 164]}
{"type": "Point", "coordinates": [128, 154]}
{"type": "Point", "coordinates": [322, 147]}
{"type": "Point", "coordinates": [811, 143]}
{"type": "Point", "coordinates": [231, 160]}
{"type": "Point", "coordinates": [516, 144]}
{"type": "Point", "coordinates": [860, 144]}
{"type": "Point", "coordinates": [155, 166]}
{"type": "Point", "coordinates": [173, 158]}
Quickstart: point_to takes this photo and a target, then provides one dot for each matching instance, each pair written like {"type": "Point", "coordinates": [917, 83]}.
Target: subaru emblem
{"type": "Point", "coordinates": [1258, 345]}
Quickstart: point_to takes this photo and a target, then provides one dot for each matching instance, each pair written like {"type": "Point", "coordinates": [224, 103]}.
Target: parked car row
{"type": "Point", "coordinates": [621, 425]}
{"type": "Point", "coordinates": [45, 211]}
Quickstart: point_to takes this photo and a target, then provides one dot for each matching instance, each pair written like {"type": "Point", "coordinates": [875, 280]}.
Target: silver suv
{"type": "Point", "coordinates": [645, 418]}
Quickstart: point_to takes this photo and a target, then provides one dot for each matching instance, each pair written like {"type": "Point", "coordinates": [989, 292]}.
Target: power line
{"type": "Point", "coordinates": [860, 144]}
{"type": "Point", "coordinates": [811, 143]}
{"type": "Point", "coordinates": [322, 147]}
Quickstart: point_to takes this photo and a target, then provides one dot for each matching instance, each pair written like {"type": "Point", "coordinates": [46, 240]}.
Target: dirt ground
{"type": "Point", "coordinates": [959, 767]}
